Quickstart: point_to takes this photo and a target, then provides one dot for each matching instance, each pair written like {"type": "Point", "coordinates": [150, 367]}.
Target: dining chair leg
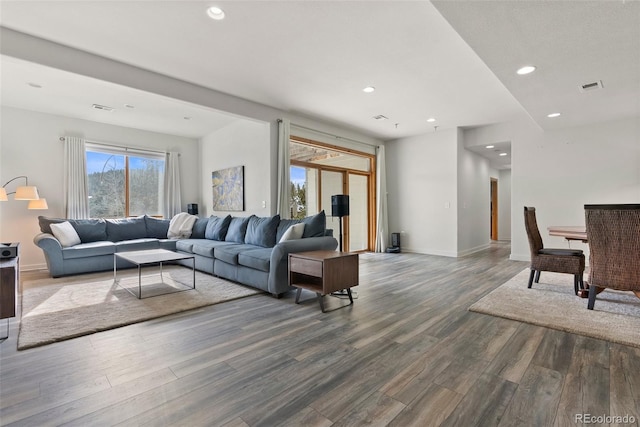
{"type": "Point", "coordinates": [531, 278]}
{"type": "Point", "coordinates": [593, 290]}
{"type": "Point", "coordinates": [537, 280]}
{"type": "Point", "coordinates": [576, 283]}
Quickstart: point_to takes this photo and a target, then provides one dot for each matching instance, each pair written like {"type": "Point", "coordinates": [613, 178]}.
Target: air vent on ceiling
{"type": "Point", "coordinates": [102, 107]}
{"type": "Point", "coordinates": [380, 117]}
{"type": "Point", "coordinates": [588, 87]}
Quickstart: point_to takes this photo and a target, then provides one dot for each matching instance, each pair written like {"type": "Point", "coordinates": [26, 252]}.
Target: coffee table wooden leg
{"type": "Point", "coordinates": [350, 296]}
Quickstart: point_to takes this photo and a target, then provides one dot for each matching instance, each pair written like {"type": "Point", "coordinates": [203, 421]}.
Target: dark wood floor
{"type": "Point", "coordinates": [408, 352]}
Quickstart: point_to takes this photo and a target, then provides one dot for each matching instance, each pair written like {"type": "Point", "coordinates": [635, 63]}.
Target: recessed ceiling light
{"type": "Point", "coordinates": [502, 154]}
{"type": "Point", "coordinates": [36, 85]}
{"type": "Point", "coordinates": [552, 115]}
{"type": "Point", "coordinates": [527, 69]}
{"type": "Point", "coordinates": [431, 120]}
{"type": "Point", "coordinates": [490, 146]}
{"type": "Point", "coordinates": [369, 89]}
{"type": "Point", "coordinates": [215, 13]}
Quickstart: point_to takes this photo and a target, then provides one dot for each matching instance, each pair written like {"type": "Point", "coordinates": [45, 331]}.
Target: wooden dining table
{"type": "Point", "coordinates": [569, 232]}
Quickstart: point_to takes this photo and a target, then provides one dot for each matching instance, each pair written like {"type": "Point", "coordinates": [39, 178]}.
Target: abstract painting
{"type": "Point", "coordinates": [228, 189]}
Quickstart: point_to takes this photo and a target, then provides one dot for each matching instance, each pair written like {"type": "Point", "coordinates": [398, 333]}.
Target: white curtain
{"type": "Point", "coordinates": [284, 180]}
{"type": "Point", "coordinates": [75, 180]}
{"type": "Point", "coordinates": [172, 196]}
{"type": "Point", "coordinates": [382, 224]}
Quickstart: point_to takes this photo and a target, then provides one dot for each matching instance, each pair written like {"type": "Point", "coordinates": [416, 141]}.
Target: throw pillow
{"type": "Point", "coordinates": [217, 227]}
{"type": "Point", "coordinates": [156, 227]}
{"type": "Point", "coordinates": [237, 229]}
{"type": "Point", "coordinates": [199, 228]}
{"type": "Point", "coordinates": [66, 234]}
{"type": "Point", "coordinates": [126, 229]}
{"type": "Point", "coordinates": [90, 230]}
{"type": "Point", "coordinates": [293, 232]}
{"type": "Point", "coordinates": [261, 231]}
{"type": "Point", "coordinates": [45, 223]}
{"type": "Point", "coordinates": [284, 225]}
{"type": "Point", "coordinates": [315, 225]}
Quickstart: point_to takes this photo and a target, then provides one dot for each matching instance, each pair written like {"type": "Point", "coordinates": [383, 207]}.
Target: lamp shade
{"type": "Point", "coordinates": [38, 204]}
{"type": "Point", "coordinates": [3, 195]}
{"type": "Point", "coordinates": [27, 192]}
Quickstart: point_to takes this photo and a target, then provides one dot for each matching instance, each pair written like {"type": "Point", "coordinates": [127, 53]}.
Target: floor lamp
{"type": "Point", "coordinates": [340, 208]}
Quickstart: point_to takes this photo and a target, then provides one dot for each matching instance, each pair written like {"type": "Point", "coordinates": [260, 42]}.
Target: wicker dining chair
{"type": "Point", "coordinates": [613, 232]}
{"type": "Point", "coordinates": [570, 261]}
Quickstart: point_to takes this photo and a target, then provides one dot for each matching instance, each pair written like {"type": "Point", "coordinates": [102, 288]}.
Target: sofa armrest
{"type": "Point", "coordinates": [279, 275]}
{"type": "Point", "coordinates": [52, 253]}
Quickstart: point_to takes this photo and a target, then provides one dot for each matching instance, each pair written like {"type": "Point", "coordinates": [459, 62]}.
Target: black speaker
{"type": "Point", "coordinates": [395, 240]}
{"type": "Point", "coordinates": [192, 208]}
{"type": "Point", "coordinates": [9, 250]}
{"type": "Point", "coordinates": [340, 205]}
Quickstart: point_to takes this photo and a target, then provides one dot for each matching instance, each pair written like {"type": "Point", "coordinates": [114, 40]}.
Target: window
{"type": "Point", "coordinates": [124, 182]}
{"type": "Point", "coordinates": [319, 171]}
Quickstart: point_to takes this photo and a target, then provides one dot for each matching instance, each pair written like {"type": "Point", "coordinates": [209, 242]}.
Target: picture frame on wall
{"type": "Point", "coordinates": [228, 189]}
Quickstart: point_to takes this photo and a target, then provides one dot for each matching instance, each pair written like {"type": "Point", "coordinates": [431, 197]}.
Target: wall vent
{"type": "Point", "coordinates": [588, 87]}
{"type": "Point", "coordinates": [102, 107]}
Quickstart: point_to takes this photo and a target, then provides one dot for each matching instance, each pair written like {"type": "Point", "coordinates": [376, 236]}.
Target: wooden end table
{"type": "Point", "coordinates": [323, 272]}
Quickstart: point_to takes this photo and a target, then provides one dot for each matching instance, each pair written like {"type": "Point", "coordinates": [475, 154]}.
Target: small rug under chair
{"type": "Point", "coordinates": [68, 307]}
{"type": "Point", "coordinates": [553, 304]}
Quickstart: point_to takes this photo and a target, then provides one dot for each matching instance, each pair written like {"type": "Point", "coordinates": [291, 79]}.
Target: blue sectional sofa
{"type": "Point", "coordinates": [249, 250]}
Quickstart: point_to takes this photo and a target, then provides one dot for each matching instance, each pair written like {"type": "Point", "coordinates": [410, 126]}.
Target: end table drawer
{"type": "Point", "coordinates": [305, 266]}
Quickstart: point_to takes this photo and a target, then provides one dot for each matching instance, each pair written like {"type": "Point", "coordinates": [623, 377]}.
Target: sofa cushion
{"type": "Point", "coordinates": [258, 259]}
{"type": "Point", "coordinates": [45, 223]}
{"type": "Point", "coordinates": [199, 228]}
{"type": "Point", "coordinates": [229, 253]}
{"type": "Point", "coordinates": [261, 231]}
{"type": "Point", "coordinates": [217, 227]}
{"type": "Point", "coordinates": [137, 244]}
{"type": "Point", "coordinates": [315, 225]}
{"type": "Point", "coordinates": [85, 250]}
{"type": "Point", "coordinates": [185, 245]}
{"type": "Point", "coordinates": [206, 247]}
{"type": "Point", "coordinates": [156, 227]}
{"type": "Point", "coordinates": [66, 234]}
{"type": "Point", "coordinates": [90, 230]}
{"type": "Point", "coordinates": [237, 229]}
{"type": "Point", "coordinates": [126, 229]}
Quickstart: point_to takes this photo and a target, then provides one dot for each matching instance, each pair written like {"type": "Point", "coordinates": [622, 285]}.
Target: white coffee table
{"type": "Point", "coordinates": [150, 257]}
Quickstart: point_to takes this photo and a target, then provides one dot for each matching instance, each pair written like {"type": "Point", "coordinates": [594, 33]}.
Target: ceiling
{"type": "Point", "coordinates": [454, 61]}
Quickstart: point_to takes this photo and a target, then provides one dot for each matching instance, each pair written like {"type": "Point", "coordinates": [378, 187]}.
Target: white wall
{"type": "Point", "coordinates": [30, 145]}
{"type": "Point", "coordinates": [504, 204]}
{"type": "Point", "coordinates": [422, 192]}
{"type": "Point", "coordinates": [242, 143]}
{"type": "Point", "coordinates": [474, 200]}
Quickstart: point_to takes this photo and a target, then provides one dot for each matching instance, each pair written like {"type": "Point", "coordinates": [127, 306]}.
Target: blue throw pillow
{"type": "Point", "coordinates": [199, 228]}
{"type": "Point", "coordinates": [126, 229]}
{"type": "Point", "coordinates": [315, 225]}
{"type": "Point", "coordinates": [217, 227]}
{"type": "Point", "coordinates": [261, 231]}
{"type": "Point", "coordinates": [90, 230]}
{"type": "Point", "coordinates": [237, 229]}
{"type": "Point", "coordinates": [156, 227]}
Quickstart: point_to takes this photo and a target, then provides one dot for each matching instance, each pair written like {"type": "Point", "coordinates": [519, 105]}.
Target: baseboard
{"type": "Point", "coordinates": [474, 250]}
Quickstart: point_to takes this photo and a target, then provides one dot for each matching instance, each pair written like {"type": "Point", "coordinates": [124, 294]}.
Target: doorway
{"type": "Point", "coordinates": [494, 209]}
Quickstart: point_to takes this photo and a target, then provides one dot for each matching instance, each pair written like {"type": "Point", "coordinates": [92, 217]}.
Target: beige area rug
{"type": "Point", "coordinates": [68, 307]}
{"type": "Point", "coordinates": [552, 303]}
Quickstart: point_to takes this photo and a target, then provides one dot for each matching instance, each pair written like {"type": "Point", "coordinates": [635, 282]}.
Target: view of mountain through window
{"type": "Point", "coordinates": [122, 185]}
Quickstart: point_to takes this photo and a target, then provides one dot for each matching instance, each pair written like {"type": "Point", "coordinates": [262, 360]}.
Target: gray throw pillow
{"type": "Point", "coordinates": [199, 228]}
{"type": "Point", "coordinates": [45, 223]}
{"type": "Point", "coordinates": [315, 225]}
{"type": "Point", "coordinates": [261, 231]}
{"type": "Point", "coordinates": [217, 227]}
{"type": "Point", "coordinates": [90, 230]}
